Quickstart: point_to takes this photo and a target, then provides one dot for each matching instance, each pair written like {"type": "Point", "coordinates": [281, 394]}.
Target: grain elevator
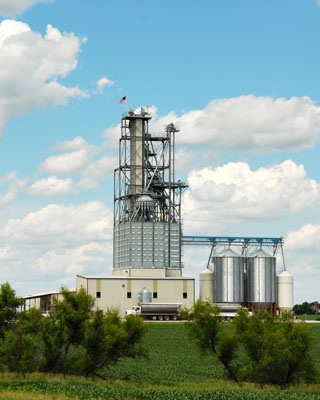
{"type": "Point", "coordinates": [147, 200]}
{"type": "Point", "coordinates": [147, 228]}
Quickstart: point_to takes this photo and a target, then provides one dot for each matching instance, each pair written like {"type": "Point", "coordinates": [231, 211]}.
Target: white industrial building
{"type": "Point", "coordinates": [122, 293]}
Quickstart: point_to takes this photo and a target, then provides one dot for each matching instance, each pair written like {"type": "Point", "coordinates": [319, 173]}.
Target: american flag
{"type": "Point", "coordinates": [123, 100]}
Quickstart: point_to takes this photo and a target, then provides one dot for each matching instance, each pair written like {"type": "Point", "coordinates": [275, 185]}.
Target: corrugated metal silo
{"type": "Point", "coordinates": [261, 278]}
{"type": "Point", "coordinates": [228, 277]}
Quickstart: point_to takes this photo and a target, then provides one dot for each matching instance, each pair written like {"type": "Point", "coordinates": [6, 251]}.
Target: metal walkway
{"type": "Point", "coordinates": [226, 240]}
{"type": "Point", "coordinates": [241, 241]}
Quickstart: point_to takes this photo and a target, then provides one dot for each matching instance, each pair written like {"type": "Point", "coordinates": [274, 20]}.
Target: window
{"type": "Point", "coordinates": [155, 295]}
{"type": "Point", "coordinates": [98, 295]}
{"type": "Point", "coordinates": [185, 295]}
{"type": "Point", "coordinates": [128, 295]}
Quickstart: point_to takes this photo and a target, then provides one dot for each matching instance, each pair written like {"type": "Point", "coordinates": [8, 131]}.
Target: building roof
{"type": "Point", "coordinates": [138, 277]}
{"type": "Point", "coordinates": [33, 296]}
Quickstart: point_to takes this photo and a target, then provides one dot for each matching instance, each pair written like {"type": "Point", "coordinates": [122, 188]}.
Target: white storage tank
{"type": "Point", "coordinates": [206, 285]}
{"type": "Point", "coordinates": [285, 291]}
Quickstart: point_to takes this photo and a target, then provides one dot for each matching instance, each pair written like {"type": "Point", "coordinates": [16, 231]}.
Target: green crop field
{"type": "Point", "coordinates": [174, 370]}
{"type": "Point", "coordinates": [174, 360]}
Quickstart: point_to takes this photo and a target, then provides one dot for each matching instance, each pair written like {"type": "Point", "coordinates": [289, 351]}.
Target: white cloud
{"type": "Point", "coordinates": [101, 168]}
{"type": "Point", "coordinates": [49, 246]}
{"type": "Point", "coordinates": [10, 8]}
{"type": "Point", "coordinates": [78, 143]}
{"type": "Point", "coordinates": [112, 134]}
{"type": "Point", "coordinates": [76, 156]}
{"type": "Point", "coordinates": [104, 81]}
{"type": "Point", "coordinates": [89, 221]}
{"type": "Point", "coordinates": [69, 163]}
{"type": "Point", "coordinates": [70, 261]}
{"type": "Point", "coordinates": [52, 186]}
{"type": "Point", "coordinates": [306, 238]}
{"type": "Point", "coordinates": [30, 66]}
{"type": "Point", "coordinates": [15, 185]}
{"type": "Point", "coordinates": [257, 124]}
{"type": "Point", "coordinates": [234, 193]}
{"type": "Point", "coordinates": [6, 252]}
{"type": "Point", "coordinates": [248, 123]}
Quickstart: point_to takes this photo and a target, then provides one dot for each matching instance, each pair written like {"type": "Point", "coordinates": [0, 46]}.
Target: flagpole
{"type": "Point", "coordinates": [123, 100]}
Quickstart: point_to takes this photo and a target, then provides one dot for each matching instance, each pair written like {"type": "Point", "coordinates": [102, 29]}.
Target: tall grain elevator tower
{"type": "Point", "coordinates": [147, 201]}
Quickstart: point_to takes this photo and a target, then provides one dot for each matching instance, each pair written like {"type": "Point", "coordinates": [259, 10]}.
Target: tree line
{"type": "Point", "coordinates": [257, 348]}
{"type": "Point", "coordinates": [306, 308]}
{"type": "Point", "coordinates": [76, 339]}
{"type": "Point", "coordinates": [72, 339]}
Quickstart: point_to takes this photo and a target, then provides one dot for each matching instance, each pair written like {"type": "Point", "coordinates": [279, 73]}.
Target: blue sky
{"type": "Point", "coordinates": [239, 77]}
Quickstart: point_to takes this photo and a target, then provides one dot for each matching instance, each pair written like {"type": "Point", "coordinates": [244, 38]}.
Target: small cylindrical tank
{"type": "Point", "coordinates": [228, 277]}
{"type": "Point", "coordinates": [261, 278]}
{"type": "Point", "coordinates": [145, 296]}
{"type": "Point", "coordinates": [206, 285]}
{"type": "Point", "coordinates": [285, 291]}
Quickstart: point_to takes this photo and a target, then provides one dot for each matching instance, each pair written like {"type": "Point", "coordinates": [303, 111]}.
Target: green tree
{"type": "Point", "coordinates": [9, 305]}
{"type": "Point", "coordinates": [78, 340]}
{"type": "Point", "coordinates": [65, 327]}
{"type": "Point", "coordinates": [207, 331]}
{"type": "Point", "coordinates": [19, 351]}
{"type": "Point", "coordinates": [279, 350]}
{"type": "Point", "coordinates": [72, 339]}
{"type": "Point", "coordinates": [52, 336]}
{"type": "Point", "coordinates": [304, 308]}
{"type": "Point", "coordinates": [107, 339]}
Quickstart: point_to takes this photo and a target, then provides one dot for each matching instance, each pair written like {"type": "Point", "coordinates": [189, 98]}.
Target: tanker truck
{"type": "Point", "coordinates": [157, 311]}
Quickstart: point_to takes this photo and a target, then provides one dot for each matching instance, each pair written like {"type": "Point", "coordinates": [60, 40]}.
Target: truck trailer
{"type": "Point", "coordinates": [157, 311]}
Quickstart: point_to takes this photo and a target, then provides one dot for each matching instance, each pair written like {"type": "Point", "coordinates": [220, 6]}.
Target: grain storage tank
{"type": "Point", "coordinates": [285, 291]}
{"type": "Point", "coordinates": [228, 277]}
{"type": "Point", "coordinates": [145, 296]}
{"type": "Point", "coordinates": [261, 278]}
{"type": "Point", "coordinates": [206, 285]}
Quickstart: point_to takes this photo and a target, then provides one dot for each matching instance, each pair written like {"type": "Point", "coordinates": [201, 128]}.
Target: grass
{"type": "Point", "coordinates": [8, 395]}
{"type": "Point", "coordinates": [309, 317]}
{"type": "Point", "coordinates": [174, 370]}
